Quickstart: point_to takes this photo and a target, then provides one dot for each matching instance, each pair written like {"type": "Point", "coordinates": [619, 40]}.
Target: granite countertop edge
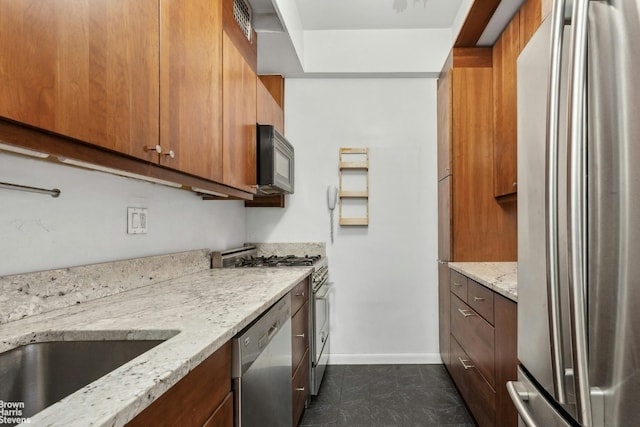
{"type": "Point", "coordinates": [196, 314]}
{"type": "Point", "coordinates": [501, 277]}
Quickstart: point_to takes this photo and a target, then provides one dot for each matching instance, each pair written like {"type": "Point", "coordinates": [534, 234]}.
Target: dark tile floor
{"type": "Point", "coordinates": [387, 396]}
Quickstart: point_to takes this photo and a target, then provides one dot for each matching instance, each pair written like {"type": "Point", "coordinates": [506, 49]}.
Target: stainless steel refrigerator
{"type": "Point", "coordinates": [579, 218]}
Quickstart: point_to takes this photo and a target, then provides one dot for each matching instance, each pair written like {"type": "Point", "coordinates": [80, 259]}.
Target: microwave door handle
{"type": "Point", "coordinates": [551, 176]}
{"type": "Point", "coordinates": [576, 210]}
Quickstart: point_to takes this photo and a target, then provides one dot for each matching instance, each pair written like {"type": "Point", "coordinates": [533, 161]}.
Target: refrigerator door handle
{"type": "Point", "coordinates": [576, 210]}
{"type": "Point", "coordinates": [519, 395]}
{"type": "Point", "coordinates": [552, 240]}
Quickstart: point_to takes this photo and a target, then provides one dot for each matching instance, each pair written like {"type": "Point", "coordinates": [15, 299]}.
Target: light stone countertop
{"type": "Point", "coordinates": [501, 277]}
{"type": "Point", "coordinates": [198, 313]}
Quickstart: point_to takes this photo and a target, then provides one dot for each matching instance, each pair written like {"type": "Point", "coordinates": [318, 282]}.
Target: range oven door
{"type": "Point", "coordinates": [320, 352]}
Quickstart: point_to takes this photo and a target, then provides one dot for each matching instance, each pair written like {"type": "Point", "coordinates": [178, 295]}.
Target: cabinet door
{"type": "Point", "coordinates": [505, 54]}
{"type": "Point", "coordinates": [191, 86]}
{"type": "Point", "coordinates": [444, 219]}
{"type": "Point", "coordinates": [482, 230]}
{"type": "Point", "coordinates": [444, 125]}
{"type": "Point", "coordinates": [193, 399]}
{"type": "Point", "coordinates": [268, 111]}
{"type": "Point", "coordinates": [444, 310]}
{"type": "Point", "coordinates": [87, 69]}
{"type": "Point", "coordinates": [239, 125]}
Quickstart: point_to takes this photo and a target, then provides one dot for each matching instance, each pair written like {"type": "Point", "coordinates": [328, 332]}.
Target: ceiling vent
{"type": "Point", "coordinates": [242, 15]}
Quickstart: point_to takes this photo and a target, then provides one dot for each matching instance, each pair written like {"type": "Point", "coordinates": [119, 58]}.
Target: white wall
{"type": "Point", "coordinates": [385, 305]}
{"type": "Point", "coordinates": [87, 223]}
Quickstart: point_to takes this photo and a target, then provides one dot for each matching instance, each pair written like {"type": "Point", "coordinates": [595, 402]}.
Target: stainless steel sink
{"type": "Point", "coordinates": [41, 374]}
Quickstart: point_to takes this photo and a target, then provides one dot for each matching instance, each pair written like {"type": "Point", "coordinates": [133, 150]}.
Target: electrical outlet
{"type": "Point", "coordinates": [137, 220]}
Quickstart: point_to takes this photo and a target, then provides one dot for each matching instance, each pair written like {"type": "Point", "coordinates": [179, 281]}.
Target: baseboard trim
{"type": "Point", "coordinates": [385, 359]}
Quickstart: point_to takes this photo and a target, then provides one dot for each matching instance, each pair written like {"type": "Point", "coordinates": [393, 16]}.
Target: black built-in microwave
{"type": "Point", "coordinates": [275, 162]}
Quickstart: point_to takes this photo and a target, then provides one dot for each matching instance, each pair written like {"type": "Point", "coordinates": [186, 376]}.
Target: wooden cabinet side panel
{"type": "Point", "coordinates": [239, 124]}
{"type": "Point", "coordinates": [194, 398]}
{"type": "Point", "coordinates": [505, 54]}
{"type": "Point", "coordinates": [483, 229]}
{"type": "Point", "coordinates": [83, 69]}
{"type": "Point", "coordinates": [275, 86]}
{"type": "Point", "coordinates": [268, 112]}
{"type": "Point", "coordinates": [506, 358]}
{"type": "Point", "coordinates": [530, 20]}
{"type": "Point", "coordinates": [191, 87]}
{"type": "Point", "coordinates": [444, 125]}
{"type": "Point", "coordinates": [444, 313]}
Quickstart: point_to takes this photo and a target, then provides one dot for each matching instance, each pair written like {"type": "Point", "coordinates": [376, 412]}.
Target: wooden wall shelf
{"type": "Point", "coordinates": [356, 160]}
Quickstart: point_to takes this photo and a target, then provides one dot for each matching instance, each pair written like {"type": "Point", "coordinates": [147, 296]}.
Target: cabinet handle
{"type": "Point", "coordinates": [466, 313]}
{"type": "Point", "coordinates": [299, 388]}
{"type": "Point", "coordinates": [478, 299]}
{"type": "Point", "coordinates": [457, 284]}
{"type": "Point", "coordinates": [300, 294]}
{"type": "Point", "coordinates": [169, 153]}
{"type": "Point", "coordinates": [155, 148]}
{"type": "Point", "coordinates": [515, 184]}
{"type": "Point", "coordinates": [464, 363]}
{"type": "Point", "coordinates": [299, 335]}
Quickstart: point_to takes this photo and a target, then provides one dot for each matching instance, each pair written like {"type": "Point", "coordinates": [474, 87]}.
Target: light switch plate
{"type": "Point", "coordinates": [136, 220]}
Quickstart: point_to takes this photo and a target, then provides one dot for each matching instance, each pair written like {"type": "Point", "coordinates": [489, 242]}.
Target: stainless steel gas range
{"type": "Point", "coordinates": [247, 257]}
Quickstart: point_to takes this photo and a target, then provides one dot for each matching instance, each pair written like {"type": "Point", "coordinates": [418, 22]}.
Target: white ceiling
{"type": "Point", "coordinates": [377, 14]}
{"type": "Point", "coordinates": [356, 37]}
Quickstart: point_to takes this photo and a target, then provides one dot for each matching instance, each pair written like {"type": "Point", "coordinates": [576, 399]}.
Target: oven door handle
{"type": "Point", "coordinates": [324, 291]}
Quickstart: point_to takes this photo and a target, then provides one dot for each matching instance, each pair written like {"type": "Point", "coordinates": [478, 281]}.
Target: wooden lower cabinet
{"type": "Point", "coordinates": [300, 392]}
{"type": "Point", "coordinates": [202, 398]}
{"type": "Point", "coordinates": [475, 390]}
{"type": "Point", "coordinates": [482, 349]}
{"type": "Point", "coordinates": [444, 308]}
{"type": "Point", "coordinates": [223, 415]}
{"type": "Point", "coordinates": [300, 349]}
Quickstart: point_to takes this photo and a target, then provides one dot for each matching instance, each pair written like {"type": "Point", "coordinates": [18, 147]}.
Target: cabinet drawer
{"type": "Point", "coordinates": [223, 416]}
{"type": "Point", "coordinates": [195, 397]}
{"type": "Point", "coordinates": [480, 299]}
{"type": "Point", "coordinates": [475, 335]}
{"type": "Point", "coordinates": [299, 295]}
{"type": "Point", "coordinates": [459, 285]}
{"type": "Point", "coordinates": [300, 388]}
{"type": "Point", "coordinates": [300, 335]}
{"type": "Point", "coordinates": [476, 391]}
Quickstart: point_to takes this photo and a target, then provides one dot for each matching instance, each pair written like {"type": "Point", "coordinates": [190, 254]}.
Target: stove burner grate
{"type": "Point", "coordinates": [277, 261]}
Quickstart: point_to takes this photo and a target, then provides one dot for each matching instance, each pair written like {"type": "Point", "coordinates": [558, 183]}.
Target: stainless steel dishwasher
{"type": "Point", "coordinates": [261, 369]}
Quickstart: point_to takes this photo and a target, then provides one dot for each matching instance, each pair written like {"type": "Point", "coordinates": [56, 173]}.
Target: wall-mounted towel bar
{"type": "Point", "coordinates": [53, 193]}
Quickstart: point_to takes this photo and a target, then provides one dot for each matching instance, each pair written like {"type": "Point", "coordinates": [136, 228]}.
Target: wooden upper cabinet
{"type": "Point", "coordinates": [275, 86]}
{"type": "Point", "coordinates": [87, 69]}
{"type": "Point", "coordinates": [530, 19]}
{"type": "Point", "coordinates": [444, 125]}
{"type": "Point", "coordinates": [191, 87]}
{"type": "Point", "coordinates": [505, 54]}
{"type": "Point", "coordinates": [268, 111]}
{"type": "Point", "coordinates": [239, 125]}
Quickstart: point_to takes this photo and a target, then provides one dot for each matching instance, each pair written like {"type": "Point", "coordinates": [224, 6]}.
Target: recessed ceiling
{"type": "Point", "coordinates": [377, 14]}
